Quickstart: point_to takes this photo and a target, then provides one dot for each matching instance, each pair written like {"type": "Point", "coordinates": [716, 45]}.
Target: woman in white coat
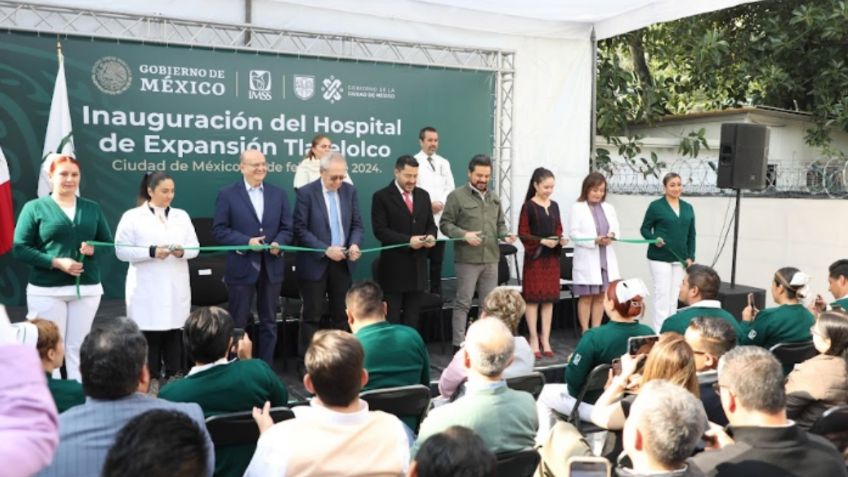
{"type": "Point", "coordinates": [595, 264]}
{"type": "Point", "coordinates": [158, 295]}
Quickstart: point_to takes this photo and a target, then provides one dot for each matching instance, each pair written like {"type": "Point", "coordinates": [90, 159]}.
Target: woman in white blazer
{"type": "Point", "coordinates": [158, 295]}
{"type": "Point", "coordinates": [595, 264]}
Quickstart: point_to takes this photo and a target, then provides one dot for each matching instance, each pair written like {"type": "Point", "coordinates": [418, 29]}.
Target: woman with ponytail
{"type": "Point", "coordinates": [789, 322]}
{"type": "Point", "coordinates": [624, 303]}
{"type": "Point", "coordinates": [158, 294]}
{"type": "Point", "coordinates": [822, 381]}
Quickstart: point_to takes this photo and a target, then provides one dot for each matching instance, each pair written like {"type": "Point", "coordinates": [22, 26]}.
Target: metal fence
{"type": "Point", "coordinates": [821, 178]}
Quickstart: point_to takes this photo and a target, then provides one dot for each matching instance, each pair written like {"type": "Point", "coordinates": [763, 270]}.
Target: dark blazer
{"type": "Point", "coordinates": [401, 269]}
{"type": "Point", "coordinates": [710, 399]}
{"type": "Point", "coordinates": [772, 452]}
{"type": "Point", "coordinates": [235, 222]}
{"type": "Point", "coordinates": [312, 226]}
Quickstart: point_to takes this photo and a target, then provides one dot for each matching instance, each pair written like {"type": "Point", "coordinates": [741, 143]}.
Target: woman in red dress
{"type": "Point", "coordinates": [540, 230]}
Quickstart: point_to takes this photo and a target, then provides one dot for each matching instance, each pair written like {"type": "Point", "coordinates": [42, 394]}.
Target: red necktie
{"type": "Point", "coordinates": [408, 199]}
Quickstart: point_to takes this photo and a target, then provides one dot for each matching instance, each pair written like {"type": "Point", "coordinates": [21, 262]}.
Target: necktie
{"type": "Point", "coordinates": [408, 199]}
{"type": "Point", "coordinates": [430, 160]}
{"type": "Point", "coordinates": [335, 223]}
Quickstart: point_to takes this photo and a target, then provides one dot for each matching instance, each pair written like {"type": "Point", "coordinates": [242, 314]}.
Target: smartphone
{"type": "Point", "coordinates": [641, 344]}
{"type": "Point", "coordinates": [238, 334]}
{"type": "Point", "coordinates": [589, 467]}
{"type": "Point", "coordinates": [616, 366]}
{"type": "Point", "coordinates": [751, 300]}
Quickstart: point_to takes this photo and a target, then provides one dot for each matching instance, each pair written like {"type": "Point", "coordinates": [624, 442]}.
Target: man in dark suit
{"type": "Point", "coordinates": [710, 339]}
{"type": "Point", "coordinates": [326, 217]}
{"type": "Point", "coordinates": [252, 212]}
{"type": "Point", "coordinates": [402, 213]}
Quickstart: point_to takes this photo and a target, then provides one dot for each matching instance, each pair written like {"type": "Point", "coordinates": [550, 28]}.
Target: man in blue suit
{"type": "Point", "coordinates": [326, 217]}
{"type": "Point", "coordinates": [252, 212]}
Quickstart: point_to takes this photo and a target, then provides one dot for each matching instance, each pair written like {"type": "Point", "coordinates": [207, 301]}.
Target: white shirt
{"type": "Point", "coordinates": [203, 367]}
{"type": "Point", "coordinates": [273, 451]}
{"type": "Point", "coordinates": [703, 304]}
{"type": "Point", "coordinates": [436, 179]}
{"type": "Point", "coordinates": [338, 200]}
{"type": "Point", "coordinates": [257, 198]}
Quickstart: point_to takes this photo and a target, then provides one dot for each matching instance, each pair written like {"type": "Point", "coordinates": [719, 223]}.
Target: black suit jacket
{"type": "Point", "coordinates": [401, 269]}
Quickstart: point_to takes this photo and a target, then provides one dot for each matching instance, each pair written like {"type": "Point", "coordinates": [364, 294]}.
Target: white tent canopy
{"type": "Point", "coordinates": [550, 39]}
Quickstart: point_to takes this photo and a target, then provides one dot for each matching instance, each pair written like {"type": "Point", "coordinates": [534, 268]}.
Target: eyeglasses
{"type": "Point", "coordinates": [694, 351]}
{"type": "Point", "coordinates": [336, 178]}
{"type": "Point", "coordinates": [717, 388]}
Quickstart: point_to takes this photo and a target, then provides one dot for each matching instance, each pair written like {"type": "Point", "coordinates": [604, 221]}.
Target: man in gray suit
{"type": "Point", "coordinates": [113, 364]}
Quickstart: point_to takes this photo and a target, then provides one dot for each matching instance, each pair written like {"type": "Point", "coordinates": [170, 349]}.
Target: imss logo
{"type": "Point", "coordinates": [260, 85]}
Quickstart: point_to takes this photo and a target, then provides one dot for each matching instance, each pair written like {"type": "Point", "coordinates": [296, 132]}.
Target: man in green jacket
{"type": "Point", "coordinates": [473, 213]}
{"type": "Point", "coordinates": [221, 386]}
{"type": "Point", "coordinates": [699, 291]}
{"type": "Point", "coordinates": [395, 355]}
{"type": "Point", "coordinates": [837, 285]}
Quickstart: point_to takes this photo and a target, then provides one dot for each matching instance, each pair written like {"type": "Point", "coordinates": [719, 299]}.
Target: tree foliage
{"type": "Point", "coordinates": [789, 54]}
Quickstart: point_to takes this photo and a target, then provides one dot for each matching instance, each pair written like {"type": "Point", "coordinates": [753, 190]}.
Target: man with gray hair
{"type": "Point", "coordinates": [115, 378]}
{"type": "Point", "coordinates": [326, 217]}
{"type": "Point", "coordinates": [764, 442]}
{"type": "Point", "coordinates": [504, 418]}
{"type": "Point", "coordinates": [664, 426]}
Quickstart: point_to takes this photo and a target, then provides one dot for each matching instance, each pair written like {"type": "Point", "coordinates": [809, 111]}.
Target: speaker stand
{"type": "Point", "coordinates": [735, 238]}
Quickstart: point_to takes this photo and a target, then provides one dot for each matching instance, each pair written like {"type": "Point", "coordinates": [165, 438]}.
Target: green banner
{"type": "Point", "coordinates": [190, 111]}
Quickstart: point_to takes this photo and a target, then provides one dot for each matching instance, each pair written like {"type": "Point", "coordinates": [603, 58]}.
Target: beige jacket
{"type": "Point", "coordinates": [815, 385]}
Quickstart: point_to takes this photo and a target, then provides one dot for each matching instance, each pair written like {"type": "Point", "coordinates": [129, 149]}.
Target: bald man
{"type": "Point", "coordinates": [504, 418]}
{"type": "Point", "coordinates": [253, 212]}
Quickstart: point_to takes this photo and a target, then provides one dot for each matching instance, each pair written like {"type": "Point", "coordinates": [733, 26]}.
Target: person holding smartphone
{"type": "Point", "coordinates": [837, 285]}
{"type": "Point", "coordinates": [158, 295]}
{"type": "Point", "coordinates": [671, 220]}
{"type": "Point", "coordinates": [624, 304]}
{"type": "Point", "coordinates": [788, 322]}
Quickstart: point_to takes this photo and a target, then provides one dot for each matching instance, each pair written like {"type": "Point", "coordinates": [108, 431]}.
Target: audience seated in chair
{"type": "Point", "coordinates": [822, 381]}
{"type": "Point", "coordinates": [220, 386]}
{"type": "Point", "coordinates": [113, 365]}
{"type": "Point", "coordinates": [624, 304]}
{"type": "Point", "coordinates": [158, 443]}
{"type": "Point", "coordinates": [504, 418]}
{"type": "Point", "coordinates": [789, 322]}
{"type": "Point", "coordinates": [661, 432]}
{"type": "Point", "coordinates": [837, 285]}
{"type": "Point", "coordinates": [29, 424]}
{"type": "Point", "coordinates": [699, 291]}
{"type": "Point", "coordinates": [455, 452]}
{"type": "Point", "coordinates": [507, 305]}
{"type": "Point", "coordinates": [764, 442]}
{"type": "Point", "coordinates": [395, 355]}
{"type": "Point", "coordinates": [67, 393]}
{"type": "Point", "coordinates": [336, 434]}
{"type": "Point", "coordinates": [709, 339]}
{"type": "Point", "coordinates": [671, 359]}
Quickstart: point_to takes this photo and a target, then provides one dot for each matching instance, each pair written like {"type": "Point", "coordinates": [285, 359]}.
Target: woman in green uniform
{"type": "Point", "coordinates": [671, 220]}
{"type": "Point", "coordinates": [789, 322]}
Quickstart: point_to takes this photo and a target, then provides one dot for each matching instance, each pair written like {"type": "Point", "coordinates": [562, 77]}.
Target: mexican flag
{"type": "Point", "coordinates": [59, 137]}
{"type": "Point", "coordinates": [7, 212]}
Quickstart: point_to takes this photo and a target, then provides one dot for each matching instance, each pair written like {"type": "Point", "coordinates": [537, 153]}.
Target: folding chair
{"type": "Point", "coordinates": [402, 401]}
{"type": "Point", "coordinates": [521, 463]}
{"type": "Point", "coordinates": [790, 354]}
{"type": "Point", "coordinates": [531, 383]}
{"type": "Point", "coordinates": [595, 382]}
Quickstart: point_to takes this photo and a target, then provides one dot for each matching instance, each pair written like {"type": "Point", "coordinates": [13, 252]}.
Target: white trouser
{"type": "Point", "coordinates": [667, 278]}
{"type": "Point", "coordinates": [73, 316]}
{"type": "Point", "coordinates": [555, 397]}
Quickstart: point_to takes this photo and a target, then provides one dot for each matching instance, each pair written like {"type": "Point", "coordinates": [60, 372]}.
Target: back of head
{"type": "Point", "coordinates": [755, 377]}
{"type": "Point", "coordinates": [158, 443]}
{"type": "Point", "coordinates": [207, 333]}
{"type": "Point", "coordinates": [507, 305]}
{"type": "Point", "coordinates": [794, 281]}
{"type": "Point", "coordinates": [671, 359]}
{"type": "Point", "coordinates": [365, 300]}
{"type": "Point", "coordinates": [705, 279]}
{"type": "Point", "coordinates": [490, 346]}
{"type": "Point", "coordinates": [627, 297]}
{"type": "Point", "coordinates": [48, 336]}
{"type": "Point", "coordinates": [717, 335]}
{"type": "Point", "coordinates": [112, 357]}
{"type": "Point", "coordinates": [670, 421]}
{"type": "Point", "coordinates": [831, 325]}
{"type": "Point", "coordinates": [455, 452]}
{"type": "Point", "coordinates": [334, 363]}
